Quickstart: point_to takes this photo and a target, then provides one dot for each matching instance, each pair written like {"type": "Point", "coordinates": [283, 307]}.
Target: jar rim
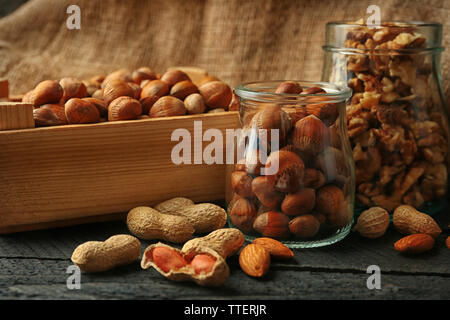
{"type": "Point", "coordinates": [257, 91]}
{"type": "Point", "coordinates": [336, 35]}
{"type": "Point", "coordinates": [389, 24]}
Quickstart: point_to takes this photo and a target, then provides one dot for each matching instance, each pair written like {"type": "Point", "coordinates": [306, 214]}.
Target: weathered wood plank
{"type": "Point", "coordinates": [46, 279]}
{"type": "Point", "coordinates": [353, 253]}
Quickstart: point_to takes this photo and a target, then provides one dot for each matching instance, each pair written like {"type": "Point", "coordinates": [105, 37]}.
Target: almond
{"type": "Point", "coordinates": [447, 242]}
{"type": "Point", "coordinates": [276, 248]}
{"type": "Point", "coordinates": [415, 243]}
{"type": "Point", "coordinates": [254, 260]}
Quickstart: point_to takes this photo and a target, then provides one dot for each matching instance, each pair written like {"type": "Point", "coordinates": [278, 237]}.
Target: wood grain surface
{"type": "Point", "coordinates": [33, 266]}
{"type": "Point", "coordinates": [16, 115]}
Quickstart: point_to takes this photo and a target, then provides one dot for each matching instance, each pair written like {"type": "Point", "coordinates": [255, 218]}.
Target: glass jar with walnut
{"type": "Point", "coordinates": [397, 116]}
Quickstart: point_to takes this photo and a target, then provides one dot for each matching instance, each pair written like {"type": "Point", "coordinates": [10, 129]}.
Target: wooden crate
{"type": "Point", "coordinates": [74, 174]}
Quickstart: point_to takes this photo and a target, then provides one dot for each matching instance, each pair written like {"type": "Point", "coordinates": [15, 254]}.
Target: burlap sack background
{"type": "Point", "coordinates": [237, 40]}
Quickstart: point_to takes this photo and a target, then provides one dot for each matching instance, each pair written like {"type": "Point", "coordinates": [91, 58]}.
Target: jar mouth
{"type": "Point", "coordinates": [264, 91]}
{"type": "Point", "coordinates": [337, 32]}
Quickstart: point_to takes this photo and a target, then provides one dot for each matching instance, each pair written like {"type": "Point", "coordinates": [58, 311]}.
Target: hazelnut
{"type": "Point", "coordinates": [313, 179]}
{"type": "Point", "coordinates": [81, 111]}
{"type": "Point", "coordinates": [46, 92]}
{"type": "Point", "coordinates": [305, 226]}
{"type": "Point", "coordinates": [272, 224]}
{"type": "Point", "coordinates": [49, 115]}
{"type": "Point", "coordinates": [97, 79]}
{"type": "Point", "coordinates": [73, 88]}
{"type": "Point", "coordinates": [266, 193]}
{"type": "Point", "coordinates": [100, 105]}
{"type": "Point", "coordinates": [143, 73]}
{"type": "Point", "coordinates": [253, 162]}
{"type": "Point", "coordinates": [172, 77]}
{"type": "Point", "coordinates": [124, 108]}
{"type": "Point", "coordinates": [194, 103]}
{"type": "Point", "coordinates": [137, 90]}
{"type": "Point", "coordinates": [145, 82]}
{"type": "Point", "coordinates": [123, 75]}
{"type": "Point", "coordinates": [296, 114]}
{"type": "Point", "coordinates": [290, 87]}
{"type": "Point", "coordinates": [310, 135]}
{"type": "Point", "coordinates": [320, 217]}
{"type": "Point", "coordinates": [243, 214]}
{"type": "Point", "coordinates": [241, 183]}
{"type": "Point", "coordinates": [27, 97]}
{"type": "Point", "coordinates": [152, 91]}
{"type": "Point", "coordinates": [98, 94]}
{"type": "Point", "coordinates": [327, 112]}
{"type": "Point", "coordinates": [207, 79]}
{"type": "Point", "coordinates": [91, 87]}
{"type": "Point", "coordinates": [217, 94]}
{"type": "Point", "coordinates": [250, 165]}
{"type": "Point", "coordinates": [167, 106]}
{"type": "Point", "coordinates": [234, 103]}
{"type": "Point", "coordinates": [289, 175]}
{"type": "Point", "coordinates": [272, 117]}
{"type": "Point", "coordinates": [115, 89]}
{"type": "Point", "coordinates": [182, 89]}
{"type": "Point", "coordinates": [300, 202]}
{"type": "Point", "coordinates": [313, 90]}
{"type": "Point", "coordinates": [143, 117]}
{"type": "Point", "coordinates": [329, 201]}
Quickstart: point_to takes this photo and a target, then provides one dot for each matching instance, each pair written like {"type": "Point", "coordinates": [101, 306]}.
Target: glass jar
{"type": "Point", "coordinates": [397, 116]}
{"type": "Point", "coordinates": [293, 179]}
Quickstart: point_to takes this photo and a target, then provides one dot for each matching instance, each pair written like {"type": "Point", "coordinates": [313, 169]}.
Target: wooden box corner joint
{"type": "Point", "coordinates": [16, 115]}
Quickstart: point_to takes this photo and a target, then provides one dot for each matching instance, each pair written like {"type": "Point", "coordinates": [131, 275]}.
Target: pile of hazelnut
{"type": "Point", "coordinates": [397, 127]}
{"type": "Point", "coordinates": [125, 95]}
{"type": "Point", "coordinates": [309, 196]}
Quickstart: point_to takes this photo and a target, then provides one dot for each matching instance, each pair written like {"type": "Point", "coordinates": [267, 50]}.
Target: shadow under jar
{"type": "Point", "coordinates": [397, 116]}
{"type": "Point", "coordinates": [293, 175]}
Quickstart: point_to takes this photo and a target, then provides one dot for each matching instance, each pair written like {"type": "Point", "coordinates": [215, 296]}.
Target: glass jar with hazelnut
{"type": "Point", "coordinates": [293, 179]}
{"type": "Point", "coordinates": [397, 116]}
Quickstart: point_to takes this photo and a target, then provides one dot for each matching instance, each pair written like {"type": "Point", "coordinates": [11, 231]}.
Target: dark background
{"type": "Point", "coordinates": [8, 6]}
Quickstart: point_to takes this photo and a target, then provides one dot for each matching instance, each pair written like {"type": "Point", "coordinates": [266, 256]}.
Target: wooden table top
{"type": "Point", "coordinates": [33, 265]}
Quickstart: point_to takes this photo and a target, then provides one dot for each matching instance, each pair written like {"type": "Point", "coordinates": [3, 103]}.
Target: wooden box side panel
{"type": "Point", "coordinates": [71, 172]}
